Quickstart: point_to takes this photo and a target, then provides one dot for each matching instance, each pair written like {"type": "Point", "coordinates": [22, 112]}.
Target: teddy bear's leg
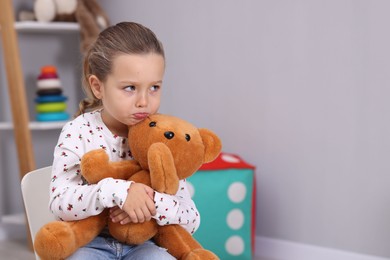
{"type": "Point", "coordinates": [181, 244]}
{"type": "Point", "coordinates": [133, 233]}
{"type": "Point", "coordinates": [60, 239]}
{"type": "Point", "coordinates": [95, 166]}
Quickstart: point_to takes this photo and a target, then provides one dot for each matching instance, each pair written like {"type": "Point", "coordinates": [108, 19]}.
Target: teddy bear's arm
{"type": "Point", "coordinates": [162, 168]}
{"type": "Point", "coordinates": [95, 166]}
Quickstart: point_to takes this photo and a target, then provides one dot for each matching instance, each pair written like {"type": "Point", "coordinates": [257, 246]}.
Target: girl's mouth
{"type": "Point", "coordinates": [141, 116]}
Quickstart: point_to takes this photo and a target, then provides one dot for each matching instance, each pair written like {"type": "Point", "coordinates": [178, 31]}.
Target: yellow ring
{"type": "Point", "coordinates": [51, 107]}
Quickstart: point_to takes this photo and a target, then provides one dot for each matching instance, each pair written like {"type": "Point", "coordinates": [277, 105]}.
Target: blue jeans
{"type": "Point", "coordinates": [102, 248]}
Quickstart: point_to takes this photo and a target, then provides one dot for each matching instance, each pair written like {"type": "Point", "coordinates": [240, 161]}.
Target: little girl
{"type": "Point", "coordinates": [123, 72]}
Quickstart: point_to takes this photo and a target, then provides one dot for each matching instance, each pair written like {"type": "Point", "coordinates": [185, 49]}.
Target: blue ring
{"type": "Point", "coordinates": [60, 116]}
{"type": "Point", "coordinates": [50, 98]}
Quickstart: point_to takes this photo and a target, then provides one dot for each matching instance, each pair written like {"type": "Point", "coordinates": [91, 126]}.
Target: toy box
{"type": "Point", "coordinates": [224, 193]}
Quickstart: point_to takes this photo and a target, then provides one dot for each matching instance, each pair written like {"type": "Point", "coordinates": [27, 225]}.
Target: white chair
{"type": "Point", "coordinates": [35, 192]}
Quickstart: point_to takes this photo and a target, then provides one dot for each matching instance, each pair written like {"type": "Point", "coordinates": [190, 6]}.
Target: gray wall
{"type": "Point", "coordinates": [297, 88]}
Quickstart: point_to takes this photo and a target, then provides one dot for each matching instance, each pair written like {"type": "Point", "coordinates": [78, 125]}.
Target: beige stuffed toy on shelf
{"type": "Point", "coordinates": [88, 13]}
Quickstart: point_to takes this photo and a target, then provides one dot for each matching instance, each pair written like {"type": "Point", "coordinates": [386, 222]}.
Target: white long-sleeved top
{"type": "Point", "coordinates": [71, 198]}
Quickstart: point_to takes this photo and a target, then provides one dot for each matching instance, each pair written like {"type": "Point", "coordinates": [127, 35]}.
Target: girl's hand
{"type": "Point", "coordinates": [139, 205]}
{"type": "Point", "coordinates": [118, 215]}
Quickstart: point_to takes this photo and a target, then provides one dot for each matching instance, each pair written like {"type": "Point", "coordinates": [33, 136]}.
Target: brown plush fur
{"type": "Point", "coordinates": [91, 18]}
{"type": "Point", "coordinates": [158, 162]}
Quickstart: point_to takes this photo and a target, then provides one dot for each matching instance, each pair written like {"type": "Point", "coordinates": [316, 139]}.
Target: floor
{"type": "Point", "coordinates": [17, 250]}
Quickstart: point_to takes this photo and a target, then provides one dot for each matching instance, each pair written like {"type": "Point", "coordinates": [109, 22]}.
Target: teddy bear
{"type": "Point", "coordinates": [88, 13]}
{"type": "Point", "coordinates": [165, 150]}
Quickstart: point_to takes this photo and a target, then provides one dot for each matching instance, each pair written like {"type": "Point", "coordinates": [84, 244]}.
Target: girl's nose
{"type": "Point", "coordinates": [142, 100]}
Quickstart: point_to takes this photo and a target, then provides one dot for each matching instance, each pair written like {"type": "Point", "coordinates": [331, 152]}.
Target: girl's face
{"type": "Point", "coordinates": [131, 91]}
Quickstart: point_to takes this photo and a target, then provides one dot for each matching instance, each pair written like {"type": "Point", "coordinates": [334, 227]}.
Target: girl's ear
{"type": "Point", "coordinates": [96, 86]}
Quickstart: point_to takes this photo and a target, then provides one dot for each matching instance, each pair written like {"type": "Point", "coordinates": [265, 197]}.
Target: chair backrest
{"type": "Point", "coordinates": [35, 192]}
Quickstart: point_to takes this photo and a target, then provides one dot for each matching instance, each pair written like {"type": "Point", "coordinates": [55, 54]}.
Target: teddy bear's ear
{"type": "Point", "coordinates": [212, 144]}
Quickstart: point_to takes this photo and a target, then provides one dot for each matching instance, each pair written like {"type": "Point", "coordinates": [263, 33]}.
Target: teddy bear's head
{"type": "Point", "coordinates": [190, 146]}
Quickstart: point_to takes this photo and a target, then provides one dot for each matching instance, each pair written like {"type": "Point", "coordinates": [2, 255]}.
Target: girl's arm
{"type": "Point", "coordinates": [70, 197]}
{"type": "Point", "coordinates": [177, 209]}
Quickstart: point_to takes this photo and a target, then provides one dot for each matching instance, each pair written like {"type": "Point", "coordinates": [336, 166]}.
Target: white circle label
{"type": "Point", "coordinates": [235, 219]}
{"type": "Point", "coordinates": [235, 245]}
{"type": "Point", "coordinates": [229, 158]}
{"type": "Point", "coordinates": [237, 192]}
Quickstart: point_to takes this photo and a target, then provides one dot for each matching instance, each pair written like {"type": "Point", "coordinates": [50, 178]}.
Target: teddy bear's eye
{"type": "Point", "coordinates": [152, 124]}
{"type": "Point", "coordinates": [169, 134]}
{"type": "Point", "coordinates": [188, 137]}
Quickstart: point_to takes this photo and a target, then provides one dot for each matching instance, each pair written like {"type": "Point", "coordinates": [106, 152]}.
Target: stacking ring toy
{"type": "Point", "coordinates": [45, 117]}
{"type": "Point", "coordinates": [50, 98]}
{"type": "Point", "coordinates": [50, 107]}
{"type": "Point", "coordinates": [47, 92]}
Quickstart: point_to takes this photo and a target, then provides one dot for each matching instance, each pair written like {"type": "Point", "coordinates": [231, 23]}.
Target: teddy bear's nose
{"type": "Point", "coordinates": [169, 134]}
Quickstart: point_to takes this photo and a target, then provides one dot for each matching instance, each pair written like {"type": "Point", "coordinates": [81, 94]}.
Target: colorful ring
{"type": "Point", "coordinates": [47, 92]}
{"type": "Point", "coordinates": [50, 98]}
{"type": "Point", "coordinates": [60, 116]}
{"type": "Point", "coordinates": [48, 83]}
{"type": "Point", "coordinates": [50, 107]}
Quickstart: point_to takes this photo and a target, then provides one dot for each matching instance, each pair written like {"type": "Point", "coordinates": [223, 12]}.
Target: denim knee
{"type": "Point", "coordinates": [149, 250]}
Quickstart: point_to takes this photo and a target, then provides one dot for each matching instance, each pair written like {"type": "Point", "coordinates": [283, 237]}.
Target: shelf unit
{"type": "Point", "coordinates": [52, 27]}
{"type": "Point", "coordinates": [16, 219]}
{"type": "Point", "coordinates": [21, 125]}
{"type": "Point", "coordinates": [34, 125]}
{"type": "Point", "coordinates": [41, 27]}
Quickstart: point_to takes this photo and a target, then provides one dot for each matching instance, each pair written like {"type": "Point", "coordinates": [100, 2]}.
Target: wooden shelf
{"type": "Point", "coordinates": [18, 219]}
{"type": "Point", "coordinates": [40, 27]}
{"type": "Point", "coordinates": [35, 125]}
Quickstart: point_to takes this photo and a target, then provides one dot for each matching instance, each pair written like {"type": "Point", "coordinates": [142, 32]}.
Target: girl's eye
{"type": "Point", "coordinates": [129, 88]}
{"type": "Point", "coordinates": [154, 88]}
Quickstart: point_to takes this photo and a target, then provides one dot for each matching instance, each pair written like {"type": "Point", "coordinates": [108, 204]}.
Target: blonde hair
{"type": "Point", "coordinates": [122, 38]}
